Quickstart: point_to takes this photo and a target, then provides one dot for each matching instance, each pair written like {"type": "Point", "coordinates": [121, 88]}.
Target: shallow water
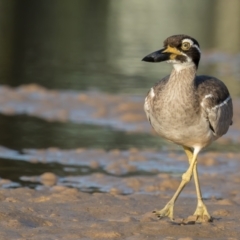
{"type": "Point", "coordinates": [96, 142]}
{"type": "Point", "coordinates": [126, 171]}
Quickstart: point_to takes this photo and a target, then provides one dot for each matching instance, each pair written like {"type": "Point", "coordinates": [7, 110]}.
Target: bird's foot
{"type": "Point", "coordinates": [201, 214]}
{"type": "Point", "coordinates": [167, 211]}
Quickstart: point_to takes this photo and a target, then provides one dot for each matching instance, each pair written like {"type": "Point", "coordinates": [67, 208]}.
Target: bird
{"type": "Point", "coordinates": [189, 110]}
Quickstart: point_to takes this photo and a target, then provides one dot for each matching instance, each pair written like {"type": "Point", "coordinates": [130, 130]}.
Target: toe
{"type": "Point", "coordinates": [167, 211]}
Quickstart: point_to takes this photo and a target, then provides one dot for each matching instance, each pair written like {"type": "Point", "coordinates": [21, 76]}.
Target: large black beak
{"type": "Point", "coordinates": [158, 56]}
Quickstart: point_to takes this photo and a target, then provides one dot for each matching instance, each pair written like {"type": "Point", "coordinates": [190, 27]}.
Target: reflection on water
{"type": "Point", "coordinates": [99, 44]}
{"type": "Point", "coordinates": [21, 131]}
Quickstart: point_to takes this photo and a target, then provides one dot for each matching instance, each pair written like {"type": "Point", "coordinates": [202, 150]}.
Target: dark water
{"type": "Point", "coordinates": [87, 44]}
{"type": "Point", "coordinates": [25, 132]}
{"type": "Point", "coordinates": [21, 132]}
{"type": "Point", "coordinates": [91, 44]}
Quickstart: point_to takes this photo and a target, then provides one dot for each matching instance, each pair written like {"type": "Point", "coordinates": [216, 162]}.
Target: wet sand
{"type": "Point", "coordinates": [59, 212]}
{"type": "Point", "coordinates": [114, 202]}
{"type": "Point", "coordinates": [123, 210]}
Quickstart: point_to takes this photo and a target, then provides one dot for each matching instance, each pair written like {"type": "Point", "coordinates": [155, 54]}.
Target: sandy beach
{"type": "Point", "coordinates": [60, 212]}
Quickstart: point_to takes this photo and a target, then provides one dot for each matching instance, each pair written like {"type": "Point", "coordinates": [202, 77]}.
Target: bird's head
{"type": "Point", "coordinates": [180, 50]}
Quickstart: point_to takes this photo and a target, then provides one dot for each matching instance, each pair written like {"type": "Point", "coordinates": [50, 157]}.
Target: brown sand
{"type": "Point", "coordinates": [55, 211]}
{"type": "Point", "coordinates": [64, 213]}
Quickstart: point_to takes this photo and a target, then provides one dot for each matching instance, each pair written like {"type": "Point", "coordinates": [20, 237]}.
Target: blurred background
{"type": "Point", "coordinates": [89, 44]}
{"type": "Point", "coordinates": [54, 52]}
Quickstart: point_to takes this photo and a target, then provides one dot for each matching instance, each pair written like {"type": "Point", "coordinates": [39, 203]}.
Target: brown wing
{"type": "Point", "coordinates": [216, 103]}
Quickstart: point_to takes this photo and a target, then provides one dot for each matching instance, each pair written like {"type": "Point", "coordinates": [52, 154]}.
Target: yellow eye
{"type": "Point", "coordinates": [186, 46]}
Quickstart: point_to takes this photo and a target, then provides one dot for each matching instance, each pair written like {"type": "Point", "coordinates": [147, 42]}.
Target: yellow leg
{"type": "Point", "coordinates": [201, 213]}
{"type": "Point", "coordinates": [167, 211]}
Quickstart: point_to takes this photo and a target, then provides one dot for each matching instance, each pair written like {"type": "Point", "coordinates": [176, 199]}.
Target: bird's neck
{"type": "Point", "coordinates": [180, 89]}
{"type": "Point", "coordinates": [181, 85]}
{"type": "Point", "coordinates": [178, 67]}
{"type": "Point", "coordinates": [183, 74]}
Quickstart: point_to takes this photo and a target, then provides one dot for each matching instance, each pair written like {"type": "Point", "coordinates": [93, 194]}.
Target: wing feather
{"type": "Point", "coordinates": [216, 103]}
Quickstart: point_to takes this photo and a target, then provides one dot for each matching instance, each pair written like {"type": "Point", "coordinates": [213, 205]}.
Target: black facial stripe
{"type": "Point", "coordinates": [181, 58]}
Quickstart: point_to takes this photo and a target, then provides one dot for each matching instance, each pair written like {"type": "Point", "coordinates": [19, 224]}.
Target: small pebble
{"type": "Point", "coordinates": [48, 179]}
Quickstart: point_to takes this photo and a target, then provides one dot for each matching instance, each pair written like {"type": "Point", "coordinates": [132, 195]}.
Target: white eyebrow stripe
{"type": "Point", "coordinates": [192, 44]}
{"type": "Point", "coordinates": [188, 40]}
{"type": "Point", "coordinates": [197, 47]}
{"type": "Point", "coordinates": [221, 104]}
